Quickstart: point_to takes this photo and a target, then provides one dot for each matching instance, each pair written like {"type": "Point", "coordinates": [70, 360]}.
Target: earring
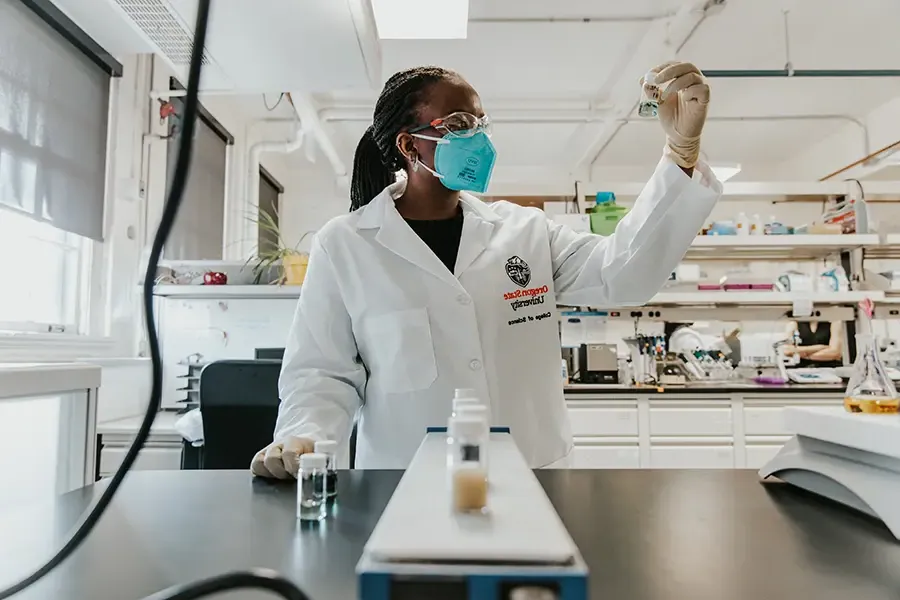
{"type": "Point", "coordinates": [415, 166]}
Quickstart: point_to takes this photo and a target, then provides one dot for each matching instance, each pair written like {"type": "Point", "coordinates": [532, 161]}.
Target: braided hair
{"type": "Point", "coordinates": [377, 157]}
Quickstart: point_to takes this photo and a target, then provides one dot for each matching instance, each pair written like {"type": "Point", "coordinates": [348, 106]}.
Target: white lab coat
{"type": "Point", "coordinates": [383, 328]}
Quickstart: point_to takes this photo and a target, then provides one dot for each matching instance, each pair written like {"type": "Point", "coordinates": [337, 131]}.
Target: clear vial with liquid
{"type": "Point", "coordinates": [468, 467]}
{"type": "Point", "coordinates": [481, 412]}
{"type": "Point", "coordinates": [328, 448]}
{"type": "Point", "coordinates": [648, 107]}
{"type": "Point", "coordinates": [311, 494]}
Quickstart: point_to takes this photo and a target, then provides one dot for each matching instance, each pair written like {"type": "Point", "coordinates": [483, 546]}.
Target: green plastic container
{"type": "Point", "coordinates": [605, 217]}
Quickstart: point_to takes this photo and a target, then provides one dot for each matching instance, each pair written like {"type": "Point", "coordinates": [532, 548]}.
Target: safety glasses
{"type": "Point", "coordinates": [458, 124]}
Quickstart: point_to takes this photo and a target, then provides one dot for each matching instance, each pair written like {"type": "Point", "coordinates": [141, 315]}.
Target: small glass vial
{"type": "Point", "coordinates": [468, 471]}
{"type": "Point", "coordinates": [311, 487]}
{"type": "Point", "coordinates": [648, 106]}
{"type": "Point", "coordinates": [328, 448]}
{"type": "Point", "coordinates": [464, 393]}
{"type": "Point", "coordinates": [479, 411]}
{"type": "Point", "coordinates": [460, 402]}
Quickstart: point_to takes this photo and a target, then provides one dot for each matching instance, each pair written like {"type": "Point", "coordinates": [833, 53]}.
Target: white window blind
{"type": "Point", "coordinates": [198, 232]}
{"type": "Point", "coordinates": [269, 202]}
{"type": "Point", "coordinates": [54, 111]}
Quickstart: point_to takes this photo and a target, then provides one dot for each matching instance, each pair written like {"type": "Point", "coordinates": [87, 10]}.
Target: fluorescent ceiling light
{"type": "Point", "coordinates": [725, 172]}
{"type": "Point", "coordinates": [421, 19]}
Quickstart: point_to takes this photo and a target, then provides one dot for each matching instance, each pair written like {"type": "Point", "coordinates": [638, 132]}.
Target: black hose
{"type": "Point", "coordinates": [256, 579]}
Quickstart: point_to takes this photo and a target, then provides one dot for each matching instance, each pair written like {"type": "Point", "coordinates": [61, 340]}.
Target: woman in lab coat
{"type": "Point", "coordinates": [424, 288]}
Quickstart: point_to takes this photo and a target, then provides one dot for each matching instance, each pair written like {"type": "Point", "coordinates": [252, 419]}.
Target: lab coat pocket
{"type": "Point", "coordinates": [400, 351]}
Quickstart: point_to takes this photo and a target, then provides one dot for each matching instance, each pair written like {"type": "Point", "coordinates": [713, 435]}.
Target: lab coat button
{"type": "Point", "coordinates": [464, 300]}
{"type": "Point", "coordinates": [475, 365]}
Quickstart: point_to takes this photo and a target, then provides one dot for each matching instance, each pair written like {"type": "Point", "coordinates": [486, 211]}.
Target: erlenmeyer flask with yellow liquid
{"type": "Point", "coordinates": [870, 390]}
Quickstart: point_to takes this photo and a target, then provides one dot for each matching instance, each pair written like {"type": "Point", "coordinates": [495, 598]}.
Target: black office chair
{"type": "Point", "coordinates": [239, 403]}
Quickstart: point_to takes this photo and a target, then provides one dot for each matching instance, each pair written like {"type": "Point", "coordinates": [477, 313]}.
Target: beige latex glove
{"type": "Point", "coordinates": [682, 109]}
{"type": "Point", "coordinates": [281, 460]}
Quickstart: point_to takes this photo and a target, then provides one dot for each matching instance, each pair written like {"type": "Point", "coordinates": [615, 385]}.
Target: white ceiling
{"type": "Point", "coordinates": [511, 59]}
{"type": "Point", "coordinates": [516, 55]}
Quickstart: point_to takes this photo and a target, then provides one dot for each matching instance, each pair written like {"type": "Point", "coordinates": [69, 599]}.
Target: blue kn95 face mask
{"type": "Point", "coordinates": [462, 163]}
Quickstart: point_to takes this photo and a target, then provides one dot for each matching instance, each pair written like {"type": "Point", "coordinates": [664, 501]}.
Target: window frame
{"type": "Point", "coordinates": [86, 336]}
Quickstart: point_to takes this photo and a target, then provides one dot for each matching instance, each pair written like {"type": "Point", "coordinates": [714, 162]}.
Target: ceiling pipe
{"type": "Point", "coordinates": [771, 118]}
{"type": "Point", "coordinates": [253, 161]}
{"type": "Point", "coordinates": [757, 73]}
{"type": "Point", "coordinates": [513, 116]}
{"type": "Point", "coordinates": [848, 118]}
{"type": "Point", "coordinates": [609, 19]}
{"type": "Point", "coordinates": [863, 160]}
{"type": "Point", "coordinates": [309, 116]}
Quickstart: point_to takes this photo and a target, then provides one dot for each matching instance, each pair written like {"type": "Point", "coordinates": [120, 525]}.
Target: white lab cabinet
{"type": "Point", "coordinates": [161, 452]}
{"type": "Point", "coordinates": [48, 418]}
{"type": "Point", "coordinates": [592, 453]}
{"type": "Point", "coordinates": [617, 427]}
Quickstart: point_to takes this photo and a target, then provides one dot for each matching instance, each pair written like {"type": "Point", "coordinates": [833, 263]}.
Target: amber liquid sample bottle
{"type": "Point", "coordinates": [870, 390]}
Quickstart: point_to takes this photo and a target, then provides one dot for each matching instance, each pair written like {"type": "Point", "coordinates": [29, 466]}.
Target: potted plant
{"type": "Point", "coordinates": [291, 261]}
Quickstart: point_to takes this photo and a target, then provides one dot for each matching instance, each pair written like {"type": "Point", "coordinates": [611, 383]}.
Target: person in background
{"type": "Point", "coordinates": [818, 343]}
{"type": "Point", "coordinates": [424, 288]}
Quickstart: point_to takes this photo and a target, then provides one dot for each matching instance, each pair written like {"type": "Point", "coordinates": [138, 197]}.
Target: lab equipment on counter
{"type": "Point", "coordinates": [774, 227]}
{"type": "Point", "coordinates": [422, 548]}
{"type": "Point", "coordinates": [744, 283]}
{"type": "Point", "coordinates": [722, 228]}
{"type": "Point", "coordinates": [645, 351]}
{"type": "Point", "coordinates": [793, 281]}
{"type": "Point", "coordinates": [675, 372]}
{"type": "Point", "coordinates": [756, 226]}
{"type": "Point", "coordinates": [743, 224]}
{"type": "Point", "coordinates": [772, 368]}
{"type": "Point", "coordinates": [814, 375]}
{"type": "Point", "coordinates": [598, 363]}
{"type": "Point", "coordinates": [851, 459]}
{"type": "Point", "coordinates": [833, 280]}
{"type": "Point", "coordinates": [870, 389]}
{"type": "Point", "coordinates": [311, 494]}
{"type": "Point", "coordinates": [328, 449]}
{"type": "Point", "coordinates": [648, 106]}
{"type": "Point", "coordinates": [847, 215]}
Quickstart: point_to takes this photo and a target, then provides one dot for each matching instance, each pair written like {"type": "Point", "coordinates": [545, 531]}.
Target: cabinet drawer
{"type": "Point", "coordinates": [757, 456]}
{"type": "Point", "coordinates": [764, 420]}
{"type": "Point", "coordinates": [692, 457]}
{"type": "Point", "coordinates": [690, 421]}
{"type": "Point", "coordinates": [606, 457]}
{"type": "Point", "coordinates": [603, 421]}
{"type": "Point", "coordinates": [150, 459]}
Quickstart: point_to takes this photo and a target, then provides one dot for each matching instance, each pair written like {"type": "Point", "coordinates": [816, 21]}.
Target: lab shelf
{"type": "Point", "coordinates": [888, 248]}
{"type": "Point", "coordinates": [762, 298]}
{"type": "Point", "coordinates": [227, 291]}
{"type": "Point", "coordinates": [776, 247]}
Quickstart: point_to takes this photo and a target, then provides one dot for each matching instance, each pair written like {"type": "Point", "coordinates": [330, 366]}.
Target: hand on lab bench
{"type": "Point", "coordinates": [281, 460]}
{"type": "Point", "coordinates": [682, 109]}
